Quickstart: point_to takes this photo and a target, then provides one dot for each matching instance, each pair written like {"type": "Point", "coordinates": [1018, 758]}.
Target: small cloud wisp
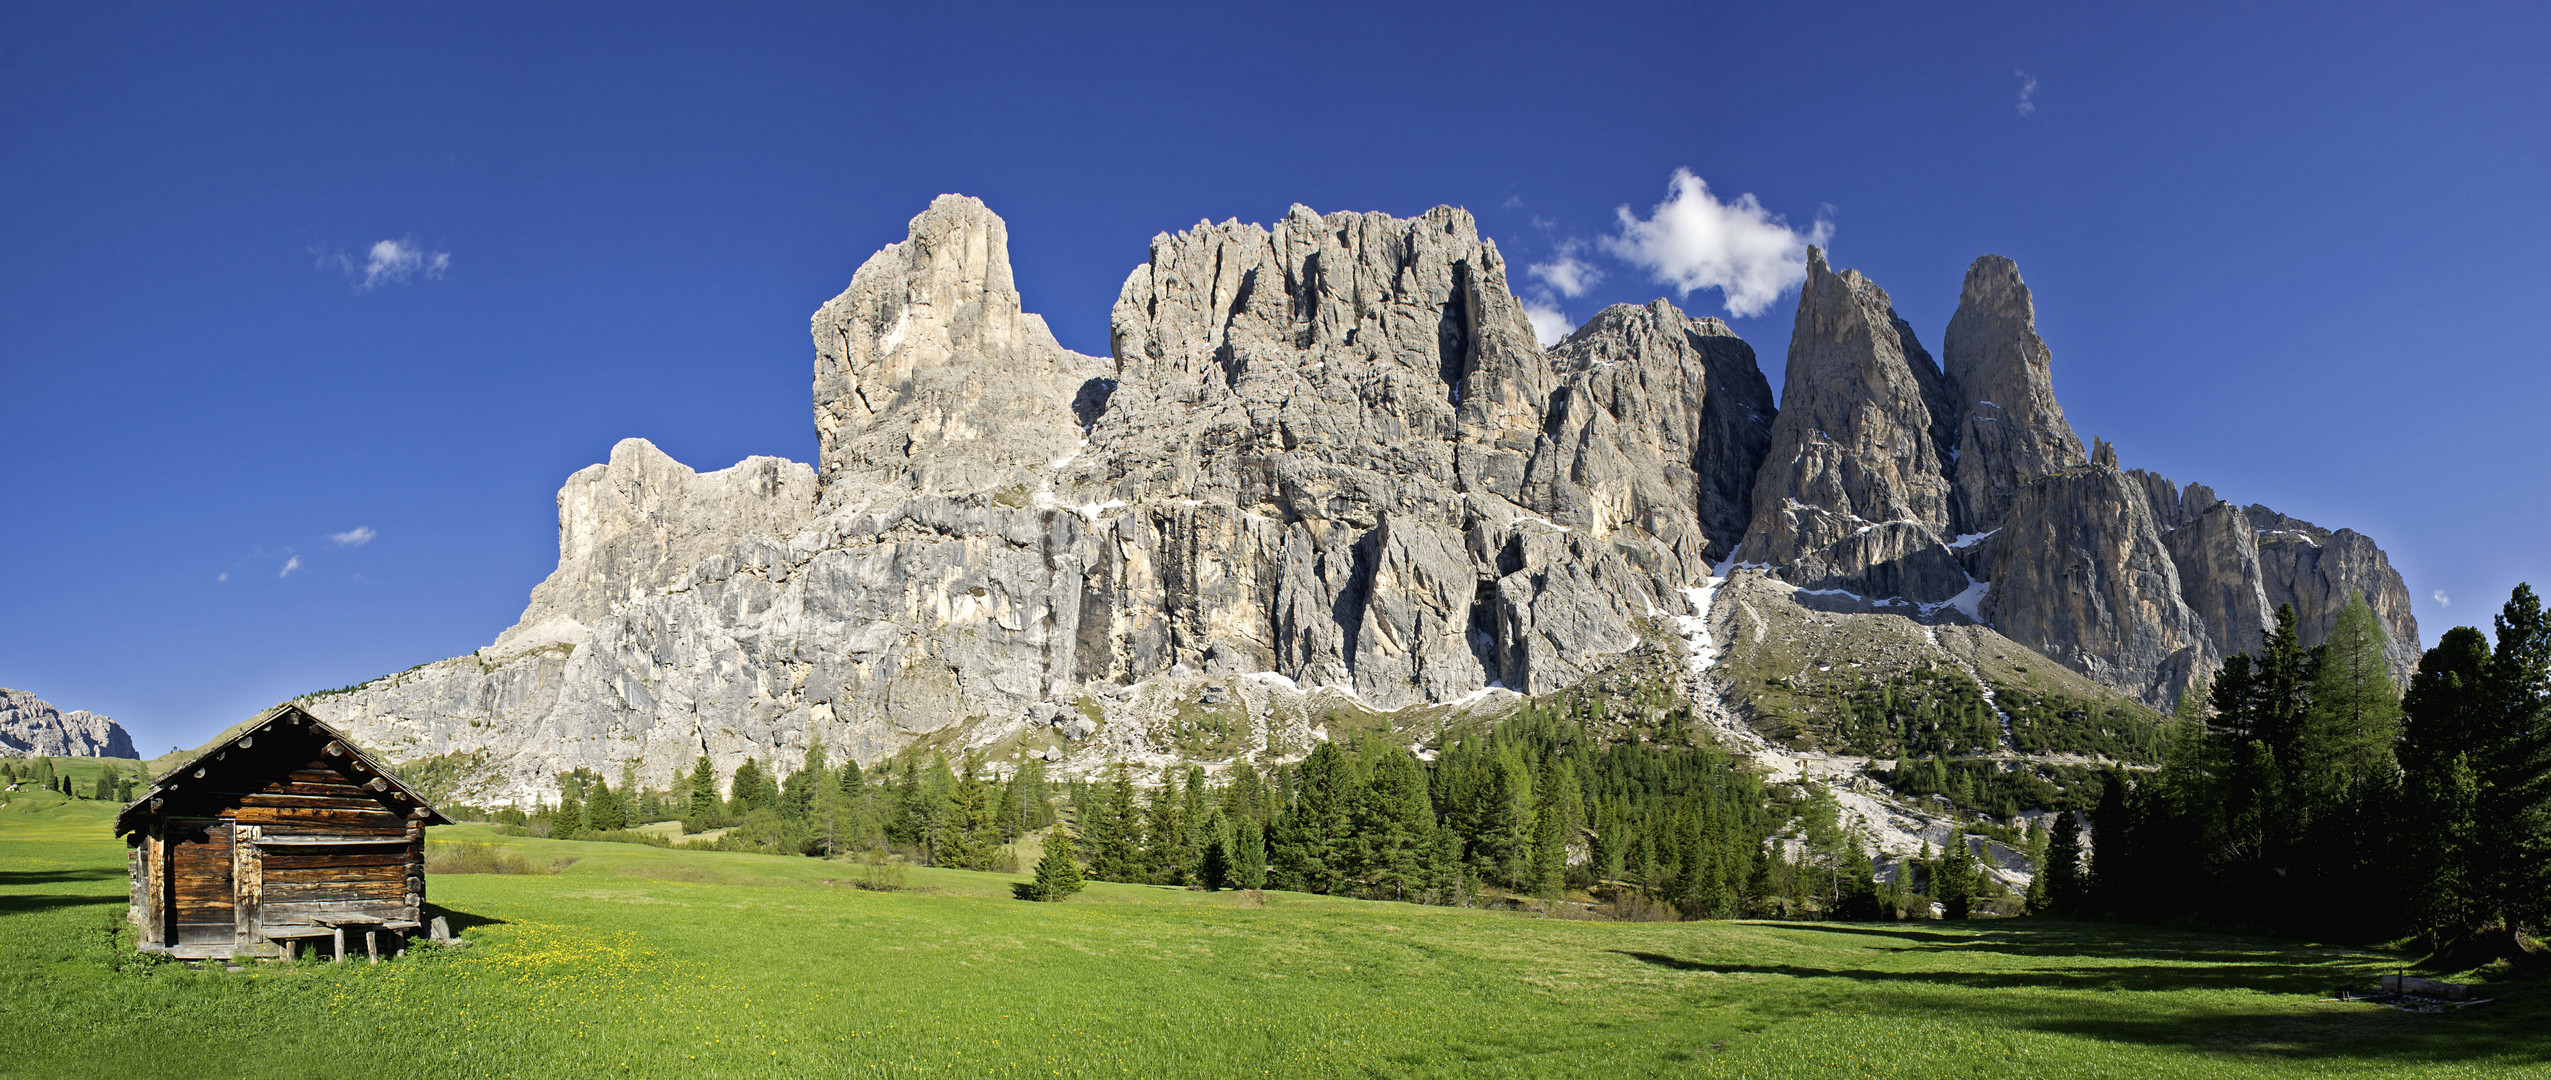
{"type": "Point", "coordinates": [289, 565]}
{"type": "Point", "coordinates": [389, 262]}
{"type": "Point", "coordinates": [354, 537]}
{"type": "Point", "coordinates": [2028, 92]}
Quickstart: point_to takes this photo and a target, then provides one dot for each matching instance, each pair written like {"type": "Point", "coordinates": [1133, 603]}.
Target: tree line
{"type": "Point", "coordinates": [2302, 792]}
{"type": "Point", "coordinates": [112, 784]}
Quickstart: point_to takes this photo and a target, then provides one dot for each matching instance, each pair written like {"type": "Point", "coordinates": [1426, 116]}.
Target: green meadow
{"type": "Point", "coordinates": [637, 961]}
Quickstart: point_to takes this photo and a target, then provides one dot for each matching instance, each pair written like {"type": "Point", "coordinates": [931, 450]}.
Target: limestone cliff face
{"type": "Point", "coordinates": [929, 375]}
{"type": "Point", "coordinates": [630, 527]}
{"type": "Point", "coordinates": [1329, 452]}
{"type": "Point", "coordinates": [31, 727]}
{"type": "Point", "coordinates": [1854, 493]}
{"type": "Point", "coordinates": [1326, 468]}
{"type": "Point", "coordinates": [2081, 575]}
{"type": "Point", "coordinates": [2010, 429]}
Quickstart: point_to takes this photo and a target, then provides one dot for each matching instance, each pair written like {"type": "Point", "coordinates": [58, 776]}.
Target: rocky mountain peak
{"type": "Point", "coordinates": [930, 376]}
{"type": "Point", "coordinates": [1328, 471]}
{"type": "Point", "coordinates": [31, 727]}
{"type": "Point", "coordinates": [2011, 430]}
{"type": "Point", "coordinates": [1854, 491]}
{"type": "Point", "coordinates": [635, 524]}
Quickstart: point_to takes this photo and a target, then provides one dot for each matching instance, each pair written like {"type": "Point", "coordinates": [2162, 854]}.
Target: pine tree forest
{"type": "Point", "coordinates": [2299, 792]}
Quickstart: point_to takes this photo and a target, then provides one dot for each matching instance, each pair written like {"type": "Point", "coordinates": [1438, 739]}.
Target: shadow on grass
{"type": "Point", "coordinates": [2160, 962]}
{"type": "Point", "coordinates": [52, 877]}
{"type": "Point", "coordinates": [25, 903]}
{"type": "Point", "coordinates": [459, 920]}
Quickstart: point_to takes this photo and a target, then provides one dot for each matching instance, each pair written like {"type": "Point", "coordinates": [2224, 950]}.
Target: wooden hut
{"type": "Point", "coordinates": [279, 832]}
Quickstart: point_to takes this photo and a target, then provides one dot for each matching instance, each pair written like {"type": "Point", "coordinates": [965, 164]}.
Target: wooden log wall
{"type": "Point", "coordinates": [284, 831]}
{"type": "Point", "coordinates": [201, 888]}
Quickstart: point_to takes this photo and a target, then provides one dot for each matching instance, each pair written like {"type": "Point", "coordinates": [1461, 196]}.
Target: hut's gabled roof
{"type": "Point", "coordinates": [281, 717]}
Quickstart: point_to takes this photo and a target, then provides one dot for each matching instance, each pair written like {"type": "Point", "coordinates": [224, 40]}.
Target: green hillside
{"type": "Point", "coordinates": [636, 961]}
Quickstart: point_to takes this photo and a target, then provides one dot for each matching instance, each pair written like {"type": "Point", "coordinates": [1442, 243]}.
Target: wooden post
{"type": "Point", "coordinates": [247, 888]}
{"type": "Point", "coordinates": [340, 945]}
{"type": "Point", "coordinates": [291, 949]}
{"type": "Point", "coordinates": [372, 944]}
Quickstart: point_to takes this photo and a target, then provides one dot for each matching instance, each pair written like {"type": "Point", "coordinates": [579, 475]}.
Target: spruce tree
{"type": "Point", "coordinates": [1248, 854]}
{"type": "Point", "coordinates": [1213, 866]}
{"type": "Point", "coordinates": [1114, 831]}
{"type": "Point", "coordinates": [1058, 874]}
{"type": "Point", "coordinates": [567, 821]}
{"type": "Point", "coordinates": [2441, 733]}
{"type": "Point", "coordinates": [2066, 889]}
{"type": "Point", "coordinates": [703, 814]}
{"type": "Point", "coordinates": [1308, 854]}
{"type": "Point", "coordinates": [1394, 828]}
{"type": "Point", "coordinates": [2510, 868]}
{"type": "Point", "coordinates": [603, 810]}
{"type": "Point", "coordinates": [1958, 876]}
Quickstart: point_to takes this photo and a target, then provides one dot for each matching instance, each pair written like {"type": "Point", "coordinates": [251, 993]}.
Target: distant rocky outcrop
{"type": "Point", "coordinates": [31, 727]}
{"type": "Point", "coordinates": [1325, 471]}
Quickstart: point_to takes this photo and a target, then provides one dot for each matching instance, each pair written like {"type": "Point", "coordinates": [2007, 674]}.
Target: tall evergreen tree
{"type": "Point", "coordinates": [603, 810]}
{"type": "Point", "coordinates": [1958, 877]}
{"type": "Point", "coordinates": [703, 813]}
{"type": "Point", "coordinates": [2510, 868]}
{"type": "Point", "coordinates": [1114, 832]}
{"type": "Point", "coordinates": [797, 796]}
{"type": "Point", "coordinates": [2067, 891]}
{"type": "Point", "coordinates": [1394, 828]}
{"type": "Point", "coordinates": [1213, 865]}
{"type": "Point", "coordinates": [1248, 854]}
{"type": "Point", "coordinates": [2441, 733]}
{"type": "Point", "coordinates": [1308, 854]}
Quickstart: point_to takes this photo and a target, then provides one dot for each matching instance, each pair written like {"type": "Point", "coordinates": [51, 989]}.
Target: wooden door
{"type": "Point", "coordinates": [201, 887]}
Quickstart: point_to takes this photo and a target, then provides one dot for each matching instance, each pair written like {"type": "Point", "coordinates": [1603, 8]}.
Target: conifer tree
{"type": "Point", "coordinates": [567, 821]}
{"type": "Point", "coordinates": [1114, 832]}
{"type": "Point", "coordinates": [2066, 893]}
{"type": "Point", "coordinates": [827, 815]}
{"type": "Point", "coordinates": [1248, 854]}
{"type": "Point", "coordinates": [1058, 874]}
{"type": "Point", "coordinates": [1213, 865]}
{"type": "Point", "coordinates": [797, 795]}
{"type": "Point", "coordinates": [1394, 827]}
{"type": "Point", "coordinates": [603, 810]}
{"type": "Point", "coordinates": [1958, 874]}
{"type": "Point", "coordinates": [2510, 864]}
{"type": "Point", "coordinates": [703, 814]}
{"type": "Point", "coordinates": [1307, 855]}
{"type": "Point", "coordinates": [751, 789]}
{"type": "Point", "coordinates": [1165, 856]}
{"type": "Point", "coordinates": [2441, 729]}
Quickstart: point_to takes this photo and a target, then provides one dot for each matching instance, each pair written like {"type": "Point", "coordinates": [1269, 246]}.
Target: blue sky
{"type": "Point", "coordinates": [2290, 252]}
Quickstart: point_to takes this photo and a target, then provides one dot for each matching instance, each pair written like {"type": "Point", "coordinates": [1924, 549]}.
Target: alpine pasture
{"type": "Point", "coordinates": [640, 961]}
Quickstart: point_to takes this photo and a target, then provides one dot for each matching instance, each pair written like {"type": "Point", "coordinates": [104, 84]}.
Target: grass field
{"type": "Point", "coordinates": [638, 961]}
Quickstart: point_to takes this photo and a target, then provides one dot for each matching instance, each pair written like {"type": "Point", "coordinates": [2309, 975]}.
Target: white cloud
{"type": "Point", "coordinates": [1693, 241]}
{"type": "Point", "coordinates": [1566, 272]}
{"type": "Point", "coordinates": [389, 261]}
{"type": "Point", "coordinates": [290, 565]}
{"type": "Point", "coordinates": [2443, 600]}
{"type": "Point", "coordinates": [2028, 92]}
{"type": "Point", "coordinates": [1549, 324]}
{"type": "Point", "coordinates": [1514, 202]}
{"type": "Point", "coordinates": [223, 576]}
{"type": "Point", "coordinates": [355, 537]}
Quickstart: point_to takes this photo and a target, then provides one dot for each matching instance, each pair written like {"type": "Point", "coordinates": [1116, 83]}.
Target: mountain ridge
{"type": "Point", "coordinates": [1326, 457]}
